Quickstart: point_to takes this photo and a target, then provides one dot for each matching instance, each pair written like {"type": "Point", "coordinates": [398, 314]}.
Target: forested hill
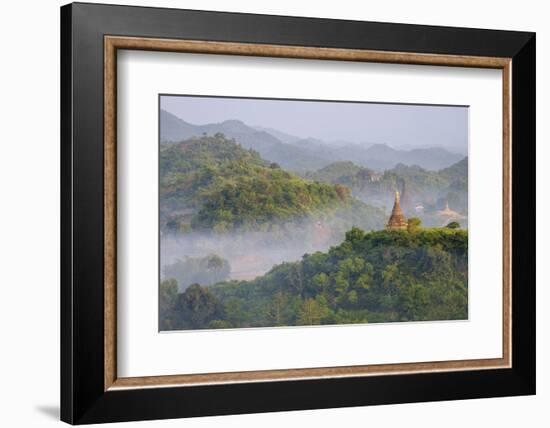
{"type": "Point", "coordinates": [431, 189]}
{"type": "Point", "coordinates": [213, 183]}
{"type": "Point", "coordinates": [457, 171]}
{"type": "Point", "coordinates": [381, 276]}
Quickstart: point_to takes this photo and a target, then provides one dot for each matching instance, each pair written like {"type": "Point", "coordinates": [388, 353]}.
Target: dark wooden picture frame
{"type": "Point", "coordinates": [90, 37]}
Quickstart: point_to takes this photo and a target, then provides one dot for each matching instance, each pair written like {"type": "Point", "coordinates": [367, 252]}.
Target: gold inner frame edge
{"type": "Point", "coordinates": [113, 43]}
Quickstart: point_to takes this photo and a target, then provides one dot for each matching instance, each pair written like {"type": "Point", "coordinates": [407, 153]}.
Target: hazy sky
{"type": "Point", "coordinates": [393, 124]}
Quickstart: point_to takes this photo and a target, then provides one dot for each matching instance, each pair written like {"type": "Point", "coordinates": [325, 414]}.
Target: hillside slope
{"type": "Point", "coordinates": [371, 277]}
{"type": "Point", "coordinates": [214, 184]}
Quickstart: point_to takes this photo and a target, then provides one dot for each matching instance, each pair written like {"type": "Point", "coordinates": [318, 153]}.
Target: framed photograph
{"type": "Point", "coordinates": [265, 213]}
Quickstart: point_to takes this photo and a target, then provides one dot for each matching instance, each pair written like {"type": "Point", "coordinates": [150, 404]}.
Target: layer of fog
{"type": "Point", "coordinates": [251, 254]}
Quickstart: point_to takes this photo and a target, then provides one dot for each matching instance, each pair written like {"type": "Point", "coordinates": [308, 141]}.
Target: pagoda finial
{"type": "Point", "coordinates": [397, 196]}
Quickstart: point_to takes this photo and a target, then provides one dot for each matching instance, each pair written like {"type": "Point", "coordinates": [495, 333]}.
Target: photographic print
{"type": "Point", "coordinates": [284, 212]}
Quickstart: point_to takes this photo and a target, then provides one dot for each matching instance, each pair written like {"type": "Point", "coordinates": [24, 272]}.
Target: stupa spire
{"type": "Point", "coordinates": [397, 219]}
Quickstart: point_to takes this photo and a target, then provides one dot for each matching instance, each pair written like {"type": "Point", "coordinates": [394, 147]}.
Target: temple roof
{"type": "Point", "coordinates": [447, 212]}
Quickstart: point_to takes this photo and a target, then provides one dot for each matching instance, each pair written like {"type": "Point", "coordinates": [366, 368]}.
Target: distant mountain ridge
{"type": "Point", "coordinates": [381, 157]}
{"type": "Point", "coordinates": [174, 129]}
{"type": "Point", "coordinates": [282, 136]}
{"type": "Point", "coordinates": [305, 154]}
